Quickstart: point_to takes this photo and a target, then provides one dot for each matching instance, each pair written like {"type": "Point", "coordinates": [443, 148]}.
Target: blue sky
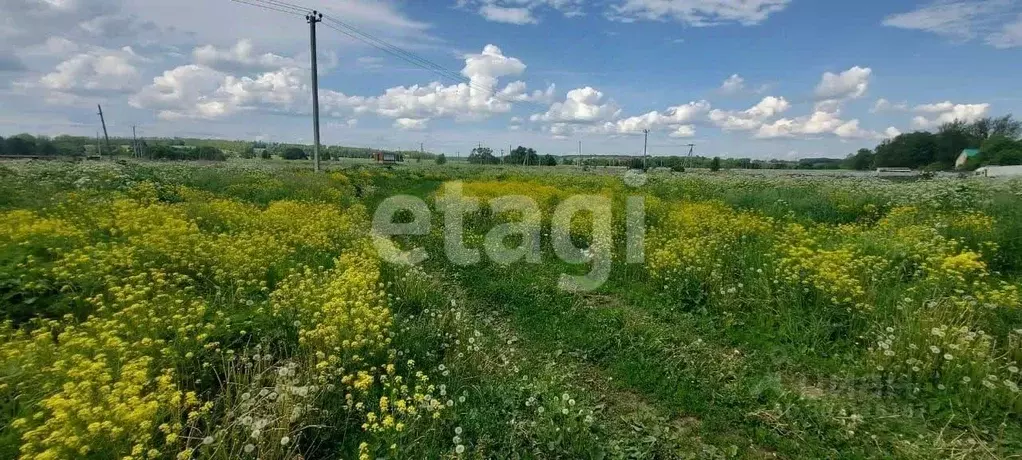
{"type": "Point", "coordinates": [739, 78]}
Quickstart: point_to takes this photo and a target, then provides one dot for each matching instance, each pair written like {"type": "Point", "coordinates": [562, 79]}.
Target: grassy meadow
{"type": "Point", "coordinates": [240, 310]}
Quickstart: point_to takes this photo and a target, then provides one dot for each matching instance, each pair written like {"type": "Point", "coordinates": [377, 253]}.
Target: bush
{"type": "Point", "coordinates": [295, 153]}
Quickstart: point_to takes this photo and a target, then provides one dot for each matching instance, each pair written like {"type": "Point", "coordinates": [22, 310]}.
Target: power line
{"type": "Point", "coordinates": [264, 6]}
{"type": "Point", "coordinates": [361, 35]}
{"type": "Point", "coordinates": [399, 52]}
{"type": "Point", "coordinates": [382, 45]}
{"type": "Point", "coordinates": [366, 37]}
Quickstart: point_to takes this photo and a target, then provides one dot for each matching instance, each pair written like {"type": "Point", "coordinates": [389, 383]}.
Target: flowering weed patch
{"type": "Point", "coordinates": [243, 311]}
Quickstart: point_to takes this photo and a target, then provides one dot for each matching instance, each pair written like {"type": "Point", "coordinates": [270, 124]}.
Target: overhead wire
{"type": "Point", "coordinates": [382, 45]}
{"type": "Point", "coordinates": [259, 4]}
{"type": "Point", "coordinates": [379, 43]}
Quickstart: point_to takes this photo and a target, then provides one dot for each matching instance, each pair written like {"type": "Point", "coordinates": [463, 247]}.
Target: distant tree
{"type": "Point", "coordinates": [549, 160]}
{"type": "Point", "coordinates": [295, 153]}
{"type": "Point", "coordinates": [911, 150]}
{"type": "Point", "coordinates": [715, 164]}
{"type": "Point", "coordinates": [70, 145]}
{"type": "Point", "coordinates": [265, 154]}
{"type": "Point", "coordinates": [441, 159]}
{"type": "Point", "coordinates": [1000, 150]}
{"type": "Point", "coordinates": [482, 155]}
{"type": "Point", "coordinates": [45, 146]}
{"type": "Point", "coordinates": [248, 152]}
{"type": "Point", "coordinates": [522, 156]}
{"type": "Point", "coordinates": [952, 138]}
{"type": "Point", "coordinates": [210, 153]}
{"type": "Point", "coordinates": [21, 144]}
{"type": "Point", "coordinates": [163, 152]}
{"type": "Point", "coordinates": [1006, 126]}
{"type": "Point", "coordinates": [860, 161]}
{"type": "Point", "coordinates": [940, 150]}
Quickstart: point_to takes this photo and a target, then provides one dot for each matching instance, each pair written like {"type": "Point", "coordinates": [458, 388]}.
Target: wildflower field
{"type": "Point", "coordinates": [177, 311]}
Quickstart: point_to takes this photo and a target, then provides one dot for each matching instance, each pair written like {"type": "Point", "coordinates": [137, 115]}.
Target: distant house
{"type": "Point", "coordinates": [387, 158]}
{"type": "Point", "coordinates": [964, 157]}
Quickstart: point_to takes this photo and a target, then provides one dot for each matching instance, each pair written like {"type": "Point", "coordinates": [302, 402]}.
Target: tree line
{"type": "Point", "coordinates": [172, 149]}
{"type": "Point", "coordinates": [999, 141]}
{"type": "Point", "coordinates": [29, 145]}
{"type": "Point", "coordinates": [519, 156]}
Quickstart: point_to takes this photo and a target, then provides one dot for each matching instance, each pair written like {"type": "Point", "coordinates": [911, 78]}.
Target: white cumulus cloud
{"type": "Point", "coordinates": [752, 118]}
{"type": "Point", "coordinates": [507, 15]}
{"type": "Point", "coordinates": [201, 91]}
{"type": "Point", "coordinates": [678, 118]}
{"type": "Point", "coordinates": [581, 105]}
{"type": "Point", "coordinates": [520, 12]}
{"type": "Point", "coordinates": [240, 57]}
{"type": "Point", "coordinates": [699, 13]}
{"type": "Point", "coordinates": [93, 72]}
{"type": "Point", "coordinates": [733, 85]}
{"type": "Point", "coordinates": [819, 123]}
{"type": "Point", "coordinates": [849, 84]}
{"type": "Point", "coordinates": [411, 124]}
{"type": "Point", "coordinates": [883, 105]}
{"type": "Point", "coordinates": [946, 112]}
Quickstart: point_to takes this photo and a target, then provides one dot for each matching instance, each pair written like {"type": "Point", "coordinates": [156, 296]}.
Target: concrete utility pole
{"type": "Point", "coordinates": [312, 19]}
{"type": "Point", "coordinates": [645, 142]}
{"type": "Point", "coordinates": [105, 136]}
{"type": "Point", "coordinates": [136, 152]}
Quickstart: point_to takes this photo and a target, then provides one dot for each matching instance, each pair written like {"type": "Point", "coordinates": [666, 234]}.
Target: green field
{"type": "Point", "coordinates": [242, 310]}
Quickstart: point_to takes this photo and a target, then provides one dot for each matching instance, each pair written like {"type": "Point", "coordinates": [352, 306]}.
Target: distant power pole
{"type": "Point", "coordinates": [136, 152]}
{"type": "Point", "coordinates": [105, 136]}
{"type": "Point", "coordinates": [312, 19]}
{"type": "Point", "coordinates": [645, 141]}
